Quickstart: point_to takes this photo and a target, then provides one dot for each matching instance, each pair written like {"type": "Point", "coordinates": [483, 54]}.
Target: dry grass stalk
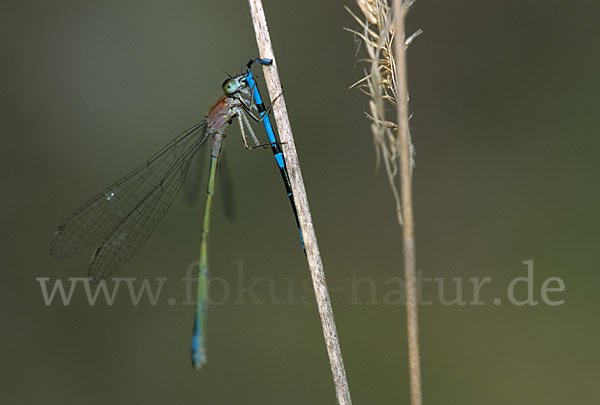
{"type": "Point", "coordinates": [313, 255]}
{"type": "Point", "coordinates": [385, 83]}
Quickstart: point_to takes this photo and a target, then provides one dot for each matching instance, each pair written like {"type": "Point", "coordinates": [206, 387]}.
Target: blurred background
{"type": "Point", "coordinates": [504, 97]}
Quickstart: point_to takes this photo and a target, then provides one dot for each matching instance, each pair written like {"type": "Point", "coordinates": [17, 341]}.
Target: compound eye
{"type": "Point", "coordinates": [230, 86]}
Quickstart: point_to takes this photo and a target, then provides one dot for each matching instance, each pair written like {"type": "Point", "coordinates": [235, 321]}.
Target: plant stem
{"type": "Point", "coordinates": [412, 319]}
{"type": "Point", "coordinates": [310, 240]}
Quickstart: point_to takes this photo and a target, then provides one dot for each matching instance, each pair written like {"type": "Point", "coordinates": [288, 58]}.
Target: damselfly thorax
{"type": "Point", "coordinates": [235, 103]}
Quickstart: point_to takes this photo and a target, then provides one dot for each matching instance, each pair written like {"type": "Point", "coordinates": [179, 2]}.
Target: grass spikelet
{"type": "Point", "coordinates": [379, 84]}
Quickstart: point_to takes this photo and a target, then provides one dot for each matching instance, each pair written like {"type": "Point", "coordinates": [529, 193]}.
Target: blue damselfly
{"type": "Point", "coordinates": [122, 217]}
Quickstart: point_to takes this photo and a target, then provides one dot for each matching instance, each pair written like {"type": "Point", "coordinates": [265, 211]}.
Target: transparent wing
{"type": "Point", "coordinates": [193, 180]}
{"type": "Point", "coordinates": [131, 233]}
{"type": "Point", "coordinates": [226, 186]}
{"type": "Point", "coordinates": [192, 185]}
{"type": "Point", "coordinates": [120, 204]}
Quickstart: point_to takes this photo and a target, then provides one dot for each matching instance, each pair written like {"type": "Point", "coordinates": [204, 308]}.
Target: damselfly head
{"type": "Point", "coordinates": [233, 85]}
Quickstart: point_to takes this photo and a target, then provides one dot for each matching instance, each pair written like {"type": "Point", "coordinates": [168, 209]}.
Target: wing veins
{"type": "Point", "coordinates": [98, 217]}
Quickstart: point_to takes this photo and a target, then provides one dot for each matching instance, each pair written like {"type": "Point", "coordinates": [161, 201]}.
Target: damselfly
{"type": "Point", "coordinates": [123, 216]}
